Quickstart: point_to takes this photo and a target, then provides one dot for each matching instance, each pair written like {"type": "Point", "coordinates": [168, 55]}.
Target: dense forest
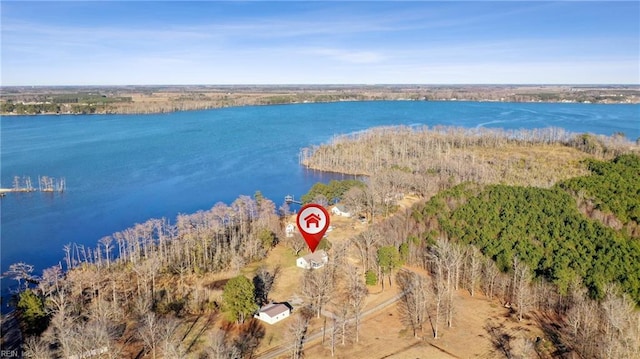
{"type": "Point", "coordinates": [544, 229]}
{"type": "Point", "coordinates": [613, 188]}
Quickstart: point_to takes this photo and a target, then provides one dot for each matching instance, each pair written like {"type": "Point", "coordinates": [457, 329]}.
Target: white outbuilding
{"type": "Point", "coordinates": [273, 312]}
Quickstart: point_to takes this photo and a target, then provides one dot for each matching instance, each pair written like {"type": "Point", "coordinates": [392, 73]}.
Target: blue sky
{"type": "Point", "coordinates": [426, 42]}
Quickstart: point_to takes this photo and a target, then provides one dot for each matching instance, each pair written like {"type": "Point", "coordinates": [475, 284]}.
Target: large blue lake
{"type": "Point", "coordinates": [123, 169]}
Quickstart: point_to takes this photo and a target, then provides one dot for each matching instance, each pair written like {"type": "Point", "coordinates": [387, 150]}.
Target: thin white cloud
{"type": "Point", "coordinates": [349, 56]}
{"type": "Point", "coordinates": [335, 43]}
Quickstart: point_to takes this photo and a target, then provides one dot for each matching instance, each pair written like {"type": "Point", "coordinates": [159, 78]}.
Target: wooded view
{"type": "Point", "coordinates": [540, 225]}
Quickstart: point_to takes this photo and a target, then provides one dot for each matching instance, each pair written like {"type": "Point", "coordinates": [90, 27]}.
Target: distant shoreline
{"type": "Point", "coordinates": [297, 103]}
{"type": "Point", "coordinates": [26, 101]}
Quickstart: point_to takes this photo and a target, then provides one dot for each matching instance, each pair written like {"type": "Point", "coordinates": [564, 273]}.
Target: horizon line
{"type": "Point", "coordinates": [324, 85]}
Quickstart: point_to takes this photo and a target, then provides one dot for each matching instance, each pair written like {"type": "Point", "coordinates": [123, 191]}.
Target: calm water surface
{"type": "Point", "coordinates": [124, 169]}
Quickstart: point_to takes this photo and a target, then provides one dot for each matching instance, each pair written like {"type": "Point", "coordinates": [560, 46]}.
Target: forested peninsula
{"type": "Point", "coordinates": [460, 241]}
{"type": "Point", "coordinates": [158, 99]}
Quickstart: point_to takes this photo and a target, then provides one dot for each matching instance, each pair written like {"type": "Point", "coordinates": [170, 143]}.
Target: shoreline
{"type": "Point", "coordinates": [23, 101]}
{"type": "Point", "coordinates": [298, 103]}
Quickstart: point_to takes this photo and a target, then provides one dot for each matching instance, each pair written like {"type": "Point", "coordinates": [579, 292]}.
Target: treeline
{"type": "Point", "coordinates": [154, 99]}
{"type": "Point", "coordinates": [88, 98]}
{"type": "Point", "coordinates": [53, 108]}
{"type": "Point", "coordinates": [127, 291]}
{"type": "Point", "coordinates": [29, 109]}
{"type": "Point", "coordinates": [64, 103]}
{"type": "Point", "coordinates": [132, 294]}
{"type": "Point", "coordinates": [528, 94]}
{"type": "Point", "coordinates": [304, 97]}
{"type": "Point", "coordinates": [330, 193]}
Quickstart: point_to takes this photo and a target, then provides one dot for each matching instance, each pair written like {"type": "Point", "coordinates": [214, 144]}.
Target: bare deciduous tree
{"type": "Point", "coordinates": [521, 288]}
{"type": "Point", "coordinates": [366, 244]}
{"type": "Point", "coordinates": [168, 340]}
{"type": "Point", "coordinates": [414, 301]}
{"type": "Point", "coordinates": [296, 243]}
{"type": "Point", "coordinates": [619, 325]}
{"type": "Point", "coordinates": [473, 269]}
{"type": "Point", "coordinates": [334, 333]}
{"type": "Point", "coordinates": [297, 332]}
{"type": "Point", "coordinates": [445, 260]}
{"type": "Point", "coordinates": [22, 273]}
{"type": "Point", "coordinates": [220, 347]}
{"type": "Point", "coordinates": [251, 334]}
{"type": "Point", "coordinates": [317, 287]}
{"type": "Point", "coordinates": [356, 295]}
{"type": "Point", "coordinates": [354, 199]}
{"type": "Point", "coordinates": [490, 275]}
{"type": "Point", "coordinates": [156, 332]}
{"type": "Point", "coordinates": [36, 348]}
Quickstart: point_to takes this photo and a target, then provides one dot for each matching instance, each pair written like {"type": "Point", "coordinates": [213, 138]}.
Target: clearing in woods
{"type": "Point", "coordinates": [481, 328]}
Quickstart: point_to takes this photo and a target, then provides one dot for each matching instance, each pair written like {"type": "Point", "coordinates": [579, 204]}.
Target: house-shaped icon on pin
{"type": "Point", "coordinates": [312, 219]}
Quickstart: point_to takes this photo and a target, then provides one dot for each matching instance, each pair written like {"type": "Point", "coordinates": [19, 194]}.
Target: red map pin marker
{"type": "Point", "coordinates": [313, 222]}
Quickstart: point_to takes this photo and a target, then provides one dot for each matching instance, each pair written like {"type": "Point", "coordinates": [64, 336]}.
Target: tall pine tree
{"type": "Point", "coordinates": [238, 298]}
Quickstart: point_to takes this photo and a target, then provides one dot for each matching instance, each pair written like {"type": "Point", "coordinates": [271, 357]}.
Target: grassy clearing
{"type": "Point", "coordinates": [539, 165]}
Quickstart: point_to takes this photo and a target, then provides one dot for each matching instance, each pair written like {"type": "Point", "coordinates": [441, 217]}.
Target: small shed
{"type": "Point", "coordinates": [314, 260]}
{"type": "Point", "coordinates": [273, 312]}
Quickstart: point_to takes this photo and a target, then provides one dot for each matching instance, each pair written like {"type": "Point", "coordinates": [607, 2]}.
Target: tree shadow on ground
{"type": "Point", "coordinates": [500, 339]}
{"type": "Point", "coordinates": [553, 332]}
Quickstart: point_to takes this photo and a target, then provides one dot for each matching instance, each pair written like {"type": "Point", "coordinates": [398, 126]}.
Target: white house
{"type": "Point", "coordinates": [290, 229]}
{"type": "Point", "coordinates": [341, 210]}
{"type": "Point", "coordinates": [314, 260]}
{"type": "Point", "coordinates": [273, 313]}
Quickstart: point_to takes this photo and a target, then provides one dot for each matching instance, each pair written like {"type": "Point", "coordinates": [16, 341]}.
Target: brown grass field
{"type": "Point", "coordinates": [384, 336]}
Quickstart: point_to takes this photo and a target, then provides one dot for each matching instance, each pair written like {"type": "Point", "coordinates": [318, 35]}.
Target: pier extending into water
{"type": "Point", "coordinates": [45, 184]}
